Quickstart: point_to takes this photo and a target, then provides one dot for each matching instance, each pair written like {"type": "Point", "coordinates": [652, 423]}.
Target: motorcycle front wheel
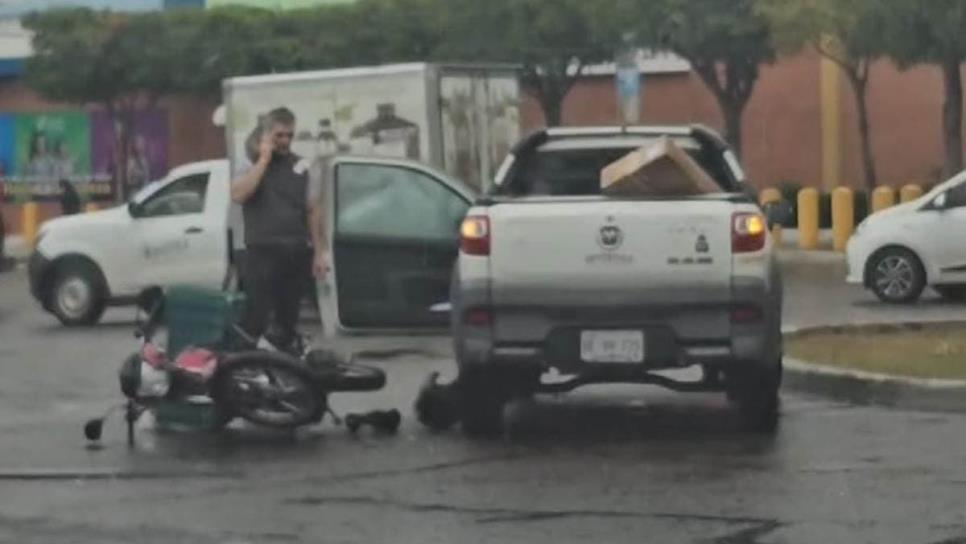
{"type": "Point", "coordinates": [268, 389]}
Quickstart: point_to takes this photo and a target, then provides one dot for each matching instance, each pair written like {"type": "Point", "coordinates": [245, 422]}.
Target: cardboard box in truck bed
{"type": "Point", "coordinates": [660, 170]}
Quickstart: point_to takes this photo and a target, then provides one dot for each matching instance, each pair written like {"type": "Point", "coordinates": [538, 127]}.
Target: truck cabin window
{"type": "Point", "coordinates": [567, 169]}
{"type": "Point", "coordinates": [181, 197]}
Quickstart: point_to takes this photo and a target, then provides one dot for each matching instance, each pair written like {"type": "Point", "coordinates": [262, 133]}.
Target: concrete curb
{"type": "Point", "coordinates": [814, 257]}
{"type": "Point", "coordinates": [859, 387]}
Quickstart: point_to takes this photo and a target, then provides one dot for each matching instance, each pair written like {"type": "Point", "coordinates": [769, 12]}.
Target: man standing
{"type": "Point", "coordinates": [283, 225]}
{"type": "Point", "coordinates": [69, 199]}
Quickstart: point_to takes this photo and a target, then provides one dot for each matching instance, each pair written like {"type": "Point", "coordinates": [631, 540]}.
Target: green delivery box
{"type": "Point", "coordinates": [197, 316]}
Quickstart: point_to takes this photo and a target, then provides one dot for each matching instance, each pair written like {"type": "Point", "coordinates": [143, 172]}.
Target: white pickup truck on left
{"type": "Point", "coordinates": [392, 224]}
{"type": "Point", "coordinates": [173, 231]}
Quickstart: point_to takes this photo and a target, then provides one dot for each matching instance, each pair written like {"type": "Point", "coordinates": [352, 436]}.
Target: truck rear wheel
{"type": "Point", "coordinates": [483, 398]}
{"type": "Point", "coordinates": [486, 390]}
{"type": "Point", "coordinates": [754, 391]}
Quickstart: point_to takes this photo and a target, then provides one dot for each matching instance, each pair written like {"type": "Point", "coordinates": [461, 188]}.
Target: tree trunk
{"type": "Point", "coordinates": [552, 106]}
{"type": "Point", "coordinates": [732, 117]}
{"type": "Point", "coordinates": [953, 117]}
{"type": "Point", "coordinates": [121, 123]}
{"type": "Point", "coordinates": [860, 87]}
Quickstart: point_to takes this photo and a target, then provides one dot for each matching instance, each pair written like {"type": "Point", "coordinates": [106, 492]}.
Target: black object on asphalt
{"type": "Point", "coordinates": [380, 420]}
{"type": "Point", "coordinates": [437, 405]}
{"type": "Point", "coordinates": [93, 429]}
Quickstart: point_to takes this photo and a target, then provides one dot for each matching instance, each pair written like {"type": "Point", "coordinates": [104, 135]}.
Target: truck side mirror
{"type": "Point", "coordinates": [778, 213]}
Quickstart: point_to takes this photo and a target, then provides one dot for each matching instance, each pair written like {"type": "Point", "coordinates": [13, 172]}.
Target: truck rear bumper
{"type": "Point", "coordinates": [675, 336]}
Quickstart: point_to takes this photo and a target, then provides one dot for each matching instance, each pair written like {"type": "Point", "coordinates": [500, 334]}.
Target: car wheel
{"type": "Point", "coordinates": [954, 293]}
{"type": "Point", "coordinates": [897, 276]}
{"type": "Point", "coordinates": [755, 392]}
{"type": "Point", "coordinates": [76, 295]}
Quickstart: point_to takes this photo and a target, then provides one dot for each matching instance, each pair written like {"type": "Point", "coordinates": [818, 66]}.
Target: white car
{"type": "Point", "coordinates": [900, 251]}
{"type": "Point", "coordinates": [173, 231]}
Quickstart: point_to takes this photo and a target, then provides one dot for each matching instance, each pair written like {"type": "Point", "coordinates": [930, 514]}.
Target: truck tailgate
{"type": "Point", "coordinates": [600, 253]}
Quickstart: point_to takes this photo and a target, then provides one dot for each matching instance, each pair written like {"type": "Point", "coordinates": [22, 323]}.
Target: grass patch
{"type": "Point", "coordinates": [927, 351]}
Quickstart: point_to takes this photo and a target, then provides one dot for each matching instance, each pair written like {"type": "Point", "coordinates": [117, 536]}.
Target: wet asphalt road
{"type": "Point", "coordinates": [606, 464]}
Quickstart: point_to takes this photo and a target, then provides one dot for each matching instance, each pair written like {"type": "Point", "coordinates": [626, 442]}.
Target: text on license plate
{"type": "Point", "coordinates": [612, 346]}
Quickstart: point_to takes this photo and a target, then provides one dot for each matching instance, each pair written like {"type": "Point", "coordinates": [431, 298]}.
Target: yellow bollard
{"type": "Point", "coordinates": [90, 207]}
{"type": "Point", "coordinates": [29, 218]}
{"type": "Point", "coordinates": [808, 218]}
{"type": "Point", "coordinates": [772, 195]}
{"type": "Point", "coordinates": [910, 192]}
{"type": "Point", "coordinates": [883, 198]}
{"type": "Point", "coordinates": [843, 217]}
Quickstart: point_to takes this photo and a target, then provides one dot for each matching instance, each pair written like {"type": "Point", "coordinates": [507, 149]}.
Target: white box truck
{"type": "Point", "coordinates": [461, 119]}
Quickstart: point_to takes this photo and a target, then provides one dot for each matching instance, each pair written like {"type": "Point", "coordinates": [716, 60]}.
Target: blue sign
{"type": "Point", "coordinates": [628, 82]}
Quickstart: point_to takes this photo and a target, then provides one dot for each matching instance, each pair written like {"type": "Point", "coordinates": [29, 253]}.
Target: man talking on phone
{"type": "Point", "coordinates": [283, 232]}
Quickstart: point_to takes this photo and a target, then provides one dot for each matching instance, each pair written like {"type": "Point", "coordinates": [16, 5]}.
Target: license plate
{"type": "Point", "coordinates": [612, 346]}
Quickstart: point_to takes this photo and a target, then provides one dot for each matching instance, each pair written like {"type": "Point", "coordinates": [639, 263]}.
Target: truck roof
{"type": "Point", "coordinates": [341, 73]}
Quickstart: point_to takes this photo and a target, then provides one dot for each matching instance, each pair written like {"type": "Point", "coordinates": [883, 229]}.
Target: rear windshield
{"type": "Point", "coordinates": [571, 170]}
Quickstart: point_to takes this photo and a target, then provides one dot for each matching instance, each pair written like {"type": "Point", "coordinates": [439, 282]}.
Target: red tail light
{"type": "Point", "coordinates": [478, 317]}
{"type": "Point", "coordinates": [746, 314]}
{"type": "Point", "coordinates": [475, 235]}
{"type": "Point", "coordinates": [748, 231]}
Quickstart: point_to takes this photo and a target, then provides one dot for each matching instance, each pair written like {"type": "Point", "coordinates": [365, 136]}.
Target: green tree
{"type": "Point", "coordinates": [207, 46]}
{"type": "Point", "coordinates": [552, 41]}
{"type": "Point", "coordinates": [363, 33]}
{"type": "Point", "coordinates": [931, 32]}
{"type": "Point", "coordinates": [127, 62]}
{"type": "Point", "coordinates": [82, 56]}
{"type": "Point", "coordinates": [847, 32]}
{"type": "Point", "coordinates": [724, 40]}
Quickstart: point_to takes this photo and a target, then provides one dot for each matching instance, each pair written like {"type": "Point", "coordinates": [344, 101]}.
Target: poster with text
{"type": "Point", "coordinates": [50, 147]}
{"type": "Point", "coordinates": [147, 155]}
{"type": "Point", "coordinates": [7, 145]}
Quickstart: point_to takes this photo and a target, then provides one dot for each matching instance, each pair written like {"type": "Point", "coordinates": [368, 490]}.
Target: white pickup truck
{"type": "Point", "coordinates": [393, 226]}
{"type": "Point", "coordinates": [553, 275]}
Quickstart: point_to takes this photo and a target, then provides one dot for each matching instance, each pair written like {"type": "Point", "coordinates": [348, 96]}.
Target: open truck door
{"type": "Point", "coordinates": [393, 227]}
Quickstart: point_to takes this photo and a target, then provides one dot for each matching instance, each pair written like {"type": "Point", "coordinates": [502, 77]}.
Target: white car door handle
{"type": "Point", "coordinates": [194, 230]}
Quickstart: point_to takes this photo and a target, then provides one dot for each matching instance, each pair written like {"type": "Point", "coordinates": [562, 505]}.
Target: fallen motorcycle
{"type": "Point", "coordinates": [217, 374]}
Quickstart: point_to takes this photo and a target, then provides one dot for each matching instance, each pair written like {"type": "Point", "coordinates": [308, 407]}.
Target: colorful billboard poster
{"type": "Point", "coordinates": [6, 145]}
{"type": "Point", "coordinates": [38, 150]}
{"type": "Point", "coordinates": [147, 156]}
{"type": "Point", "coordinates": [51, 147]}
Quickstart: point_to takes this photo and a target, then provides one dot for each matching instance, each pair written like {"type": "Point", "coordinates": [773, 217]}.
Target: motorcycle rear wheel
{"type": "Point", "coordinates": [268, 389]}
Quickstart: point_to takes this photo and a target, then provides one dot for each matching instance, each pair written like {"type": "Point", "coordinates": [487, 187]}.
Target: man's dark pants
{"type": "Point", "coordinates": [275, 281]}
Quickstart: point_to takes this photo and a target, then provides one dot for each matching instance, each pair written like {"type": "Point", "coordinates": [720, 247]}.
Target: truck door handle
{"type": "Point", "coordinates": [194, 230]}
